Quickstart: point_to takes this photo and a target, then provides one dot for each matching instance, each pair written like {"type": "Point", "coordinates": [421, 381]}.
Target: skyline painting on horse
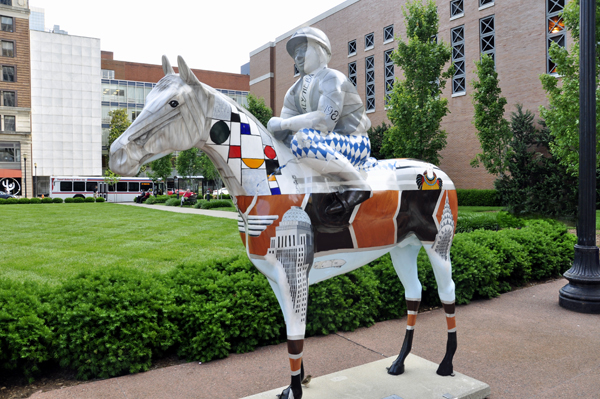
{"type": "Point", "coordinates": [284, 222]}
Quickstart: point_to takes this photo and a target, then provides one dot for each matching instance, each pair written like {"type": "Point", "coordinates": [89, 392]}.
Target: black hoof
{"type": "Point", "coordinates": [396, 368]}
{"type": "Point", "coordinates": [445, 369]}
{"type": "Point", "coordinates": [288, 393]}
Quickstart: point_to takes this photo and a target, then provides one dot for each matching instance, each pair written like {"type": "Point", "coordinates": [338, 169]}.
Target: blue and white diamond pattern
{"type": "Point", "coordinates": [310, 143]}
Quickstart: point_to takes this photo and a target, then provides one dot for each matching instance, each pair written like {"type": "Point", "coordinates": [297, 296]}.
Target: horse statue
{"type": "Point", "coordinates": [281, 202]}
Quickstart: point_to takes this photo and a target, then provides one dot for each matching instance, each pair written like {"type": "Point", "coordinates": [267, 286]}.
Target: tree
{"type": "Point", "coordinates": [493, 130]}
{"type": "Point", "coordinates": [259, 109]}
{"type": "Point", "coordinates": [209, 171]}
{"type": "Point", "coordinates": [416, 107]}
{"type": "Point", "coordinates": [111, 178]}
{"type": "Point", "coordinates": [562, 116]}
{"type": "Point", "coordinates": [161, 169]}
{"type": "Point", "coordinates": [118, 124]}
{"type": "Point", "coordinates": [536, 182]}
{"type": "Point", "coordinates": [188, 162]}
{"type": "Point", "coordinates": [376, 137]}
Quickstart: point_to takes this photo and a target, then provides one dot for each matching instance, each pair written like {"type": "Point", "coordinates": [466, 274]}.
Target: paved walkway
{"type": "Point", "coordinates": [522, 344]}
{"type": "Point", "coordinates": [191, 210]}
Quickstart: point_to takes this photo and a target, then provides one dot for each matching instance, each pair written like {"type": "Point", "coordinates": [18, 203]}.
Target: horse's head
{"type": "Point", "coordinates": [165, 124]}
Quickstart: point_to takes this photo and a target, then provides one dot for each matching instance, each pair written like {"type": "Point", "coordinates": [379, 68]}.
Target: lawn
{"type": "Point", "coordinates": [50, 242]}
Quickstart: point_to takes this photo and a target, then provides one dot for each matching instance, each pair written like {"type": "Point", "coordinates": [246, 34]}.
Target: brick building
{"type": "Point", "coordinates": [515, 32]}
{"type": "Point", "coordinates": [16, 165]}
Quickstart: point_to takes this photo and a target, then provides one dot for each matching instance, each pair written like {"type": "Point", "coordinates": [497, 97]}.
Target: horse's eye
{"type": "Point", "coordinates": [173, 103]}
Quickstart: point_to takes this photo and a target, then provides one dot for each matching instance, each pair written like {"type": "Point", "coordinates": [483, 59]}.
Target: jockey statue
{"type": "Point", "coordinates": [325, 119]}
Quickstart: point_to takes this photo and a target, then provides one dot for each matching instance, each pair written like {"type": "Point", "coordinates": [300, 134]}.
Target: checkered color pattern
{"type": "Point", "coordinates": [310, 143]}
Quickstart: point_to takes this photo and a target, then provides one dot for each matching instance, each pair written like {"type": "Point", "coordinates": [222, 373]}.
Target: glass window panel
{"type": "Point", "coordinates": [89, 186]}
{"type": "Point", "coordinates": [8, 99]}
{"type": "Point", "coordinates": [555, 6]}
{"type": "Point", "coordinates": [456, 8]}
{"type": "Point", "coordinates": [8, 49]}
{"type": "Point", "coordinates": [111, 188]}
{"type": "Point", "coordinates": [9, 123]}
{"type": "Point", "coordinates": [66, 186]}
{"type": "Point", "coordinates": [134, 186]}
{"type": "Point", "coordinates": [556, 24]}
{"type": "Point", "coordinates": [79, 186]}
{"type": "Point", "coordinates": [7, 24]}
{"type": "Point", "coordinates": [352, 47]}
{"type": "Point", "coordinates": [122, 186]}
{"type": "Point", "coordinates": [369, 41]}
{"type": "Point", "coordinates": [8, 73]}
{"type": "Point", "coordinates": [388, 33]}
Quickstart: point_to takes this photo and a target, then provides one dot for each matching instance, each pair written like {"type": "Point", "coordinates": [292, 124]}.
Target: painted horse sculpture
{"type": "Point", "coordinates": [281, 204]}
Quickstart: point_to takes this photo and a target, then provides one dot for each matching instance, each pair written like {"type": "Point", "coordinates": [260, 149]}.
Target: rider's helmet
{"type": "Point", "coordinates": [306, 34]}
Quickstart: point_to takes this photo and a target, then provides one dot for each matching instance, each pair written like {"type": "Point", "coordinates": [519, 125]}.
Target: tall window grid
{"type": "Point", "coordinates": [555, 32]}
{"type": "Point", "coordinates": [351, 47]}
{"type": "Point", "coordinates": [487, 37]}
{"type": "Point", "coordinates": [369, 41]}
{"type": "Point", "coordinates": [485, 2]}
{"type": "Point", "coordinates": [370, 82]}
{"type": "Point", "coordinates": [388, 33]}
{"type": "Point", "coordinates": [458, 58]}
{"type": "Point", "coordinates": [352, 72]}
{"type": "Point", "coordinates": [389, 74]}
{"type": "Point", "coordinates": [457, 8]}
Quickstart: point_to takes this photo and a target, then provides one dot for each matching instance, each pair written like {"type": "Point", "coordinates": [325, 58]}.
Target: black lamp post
{"type": "Point", "coordinates": [35, 181]}
{"type": "Point", "coordinates": [582, 294]}
{"type": "Point", "coordinates": [25, 164]}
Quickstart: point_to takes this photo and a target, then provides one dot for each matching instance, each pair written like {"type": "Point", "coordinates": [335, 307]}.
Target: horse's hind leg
{"type": "Point", "coordinates": [405, 263]}
{"type": "Point", "coordinates": [442, 269]}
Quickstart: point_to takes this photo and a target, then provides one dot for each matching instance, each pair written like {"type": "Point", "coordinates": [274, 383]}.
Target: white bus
{"type": "Point", "coordinates": [126, 190]}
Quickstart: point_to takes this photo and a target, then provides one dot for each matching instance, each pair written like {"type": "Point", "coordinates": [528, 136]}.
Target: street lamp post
{"type": "Point", "coordinates": [582, 294]}
{"type": "Point", "coordinates": [25, 164]}
{"type": "Point", "coordinates": [35, 193]}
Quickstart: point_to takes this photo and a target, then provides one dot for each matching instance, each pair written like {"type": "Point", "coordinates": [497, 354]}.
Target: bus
{"type": "Point", "coordinates": [126, 189]}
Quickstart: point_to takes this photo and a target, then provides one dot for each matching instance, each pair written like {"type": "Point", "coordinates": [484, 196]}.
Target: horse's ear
{"type": "Point", "coordinates": [186, 73]}
{"type": "Point", "coordinates": [166, 65]}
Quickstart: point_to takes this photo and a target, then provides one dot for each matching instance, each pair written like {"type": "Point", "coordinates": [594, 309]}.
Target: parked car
{"type": "Point", "coordinates": [219, 192]}
{"type": "Point", "coordinates": [4, 195]}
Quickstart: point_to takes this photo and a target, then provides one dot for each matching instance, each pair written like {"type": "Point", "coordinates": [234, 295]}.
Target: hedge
{"type": "Point", "coordinates": [487, 221]}
{"type": "Point", "coordinates": [59, 200]}
{"type": "Point", "coordinates": [216, 204]}
{"type": "Point", "coordinates": [90, 199]}
{"type": "Point", "coordinates": [173, 202]}
{"type": "Point", "coordinates": [478, 197]}
{"type": "Point", "coordinates": [100, 199]}
{"type": "Point", "coordinates": [46, 200]}
{"type": "Point", "coordinates": [114, 322]}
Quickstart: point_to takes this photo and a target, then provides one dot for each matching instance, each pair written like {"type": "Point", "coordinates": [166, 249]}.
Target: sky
{"type": "Point", "coordinates": [209, 34]}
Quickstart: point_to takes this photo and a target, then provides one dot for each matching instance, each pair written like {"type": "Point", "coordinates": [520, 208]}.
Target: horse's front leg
{"type": "Point", "coordinates": [291, 290]}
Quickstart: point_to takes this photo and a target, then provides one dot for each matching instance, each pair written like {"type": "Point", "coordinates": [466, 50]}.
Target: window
{"type": "Point", "coordinates": [134, 186]}
{"type": "Point", "coordinates": [8, 49]}
{"type": "Point", "coordinates": [9, 123]}
{"type": "Point", "coordinates": [8, 99]}
{"type": "Point", "coordinates": [456, 8]}
{"type": "Point", "coordinates": [487, 37]}
{"type": "Point", "coordinates": [79, 186]}
{"type": "Point", "coordinates": [122, 186]}
{"type": "Point", "coordinates": [89, 186]}
{"type": "Point", "coordinates": [555, 32]}
{"type": "Point", "coordinates": [352, 72]}
{"type": "Point", "coordinates": [389, 74]}
{"type": "Point", "coordinates": [296, 71]}
{"type": "Point", "coordinates": [351, 47]}
{"type": "Point", "coordinates": [457, 36]}
{"type": "Point", "coordinates": [10, 152]}
{"type": "Point", "coordinates": [388, 34]}
{"type": "Point", "coordinates": [6, 24]}
{"type": "Point", "coordinates": [370, 82]}
{"type": "Point", "coordinates": [483, 3]}
{"type": "Point", "coordinates": [6, 2]}
{"type": "Point", "coordinates": [369, 41]}
{"type": "Point", "coordinates": [8, 73]}
{"type": "Point", "coordinates": [66, 186]}
{"type": "Point", "coordinates": [108, 74]}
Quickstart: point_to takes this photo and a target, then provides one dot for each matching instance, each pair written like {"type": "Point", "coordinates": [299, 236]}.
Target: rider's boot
{"type": "Point", "coordinates": [346, 201]}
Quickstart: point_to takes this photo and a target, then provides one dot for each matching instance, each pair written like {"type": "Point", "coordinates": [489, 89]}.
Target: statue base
{"type": "Point", "coordinates": [371, 381]}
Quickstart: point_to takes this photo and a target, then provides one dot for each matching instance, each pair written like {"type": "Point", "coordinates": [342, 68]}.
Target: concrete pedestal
{"type": "Point", "coordinates": [371, 381]}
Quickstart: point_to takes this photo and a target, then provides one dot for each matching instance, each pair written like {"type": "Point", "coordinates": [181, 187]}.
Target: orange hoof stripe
{"type": "Point", "coordinates": [451, 322]}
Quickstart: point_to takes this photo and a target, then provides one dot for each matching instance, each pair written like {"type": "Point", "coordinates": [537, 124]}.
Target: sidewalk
{"type": "Point", "coordinates": [190, 210]}
{"type": "Point", "coordinates": [522, 344]}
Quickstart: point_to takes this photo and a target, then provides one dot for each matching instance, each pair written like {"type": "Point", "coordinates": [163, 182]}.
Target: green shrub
{"type": "Point", "coordinates": [47, 200]}
{"type": "Point", "coordinates": [217, 204]}
{"type": "Point", "coordinates": [151, 200]}
{"type": "Point", "coordinates": [111, 322]}
{"type": "Point", "coordinates": [467, 222]}
{"type": "Point", "coordinates": [69, 200]}
{"type": "Point", "coordinates": [79, 200]}
{"type": "Point", "coordinates": [173, 202]}
{"type": "Point", "coordinates": [199, 203]}
{"type": "Point", "coordinates": [90, 199]}
{"type": "Point", "coordinates": [478, 197]}
{"type": "Point", "coordinates": [161, 199]}
{"type": "Point", "coordinates": [24, 201]}
{"type": "Point", "coordinates": [25, 338]}
{"type": "Point", "coordinates": [10, 201]}
{"type": "Point", "coordinates": [100, 199]}
{"type": "Point", "coordinates": [35, 200]}
{"type": "Point", "coordinates": [58, 200]}
{"type": "Point", "coordinates": [2, 201]}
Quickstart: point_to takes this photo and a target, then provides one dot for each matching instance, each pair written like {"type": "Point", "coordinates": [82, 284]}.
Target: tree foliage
{"type": "Point", "coordinates": [209, 171]}
{"type": "Point", "coordinates": [259, 109]}
{"type": "Point", "coordinates": [118, 124]}
{"type": "Point", "coordinates": [188, 162]}
{"type": "Point", "coordinates": [562, 116]}
{"type": "Point", "coordinates": [536, 183]}
{"type": "Point", "coordinates": [416, 106]}
{"type": "Point", "coordinates": [376, 137]}
{"type": "Point", "coordinates": [493, 130]}
{"type": "Point", "coordinates": [160, 169]}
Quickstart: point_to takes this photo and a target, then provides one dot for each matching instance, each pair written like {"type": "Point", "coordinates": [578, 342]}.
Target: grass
{"type": "Point", "coordinates": [477, 209]}
{"type": "Point", "coordinates": [50, 242]}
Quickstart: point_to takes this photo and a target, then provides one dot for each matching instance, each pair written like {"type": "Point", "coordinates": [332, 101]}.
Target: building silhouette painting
{"type": "Point", "coordinates": [443, 240]}
{"type": "Point", "coordinates": [294, 249]}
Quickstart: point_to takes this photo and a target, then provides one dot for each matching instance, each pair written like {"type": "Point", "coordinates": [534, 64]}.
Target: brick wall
{"type": "Point", "coordinates": [21, 61]}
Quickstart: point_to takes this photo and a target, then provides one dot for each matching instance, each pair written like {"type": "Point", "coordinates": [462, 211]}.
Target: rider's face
{"type": "Point", "coordinates": [307, 58]}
